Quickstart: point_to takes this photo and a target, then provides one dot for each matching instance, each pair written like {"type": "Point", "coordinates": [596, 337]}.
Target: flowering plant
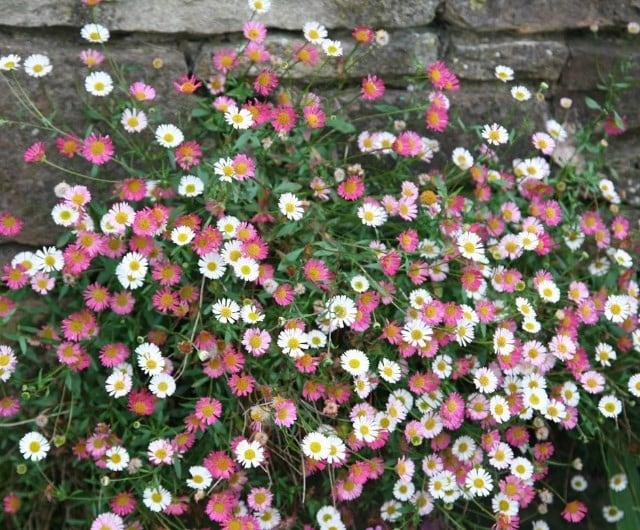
{"type": "Point", "coordinates": [281, 318]}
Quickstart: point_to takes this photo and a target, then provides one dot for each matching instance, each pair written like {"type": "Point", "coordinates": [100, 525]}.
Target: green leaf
{"type": "Point", "coordinates": [341, 125]}
{"type": "Point", "coordinates": [592, 103]}
{"type": "Point", "coordinates": [200, 112]}
{"type": "Point", "coordinates": [287, 186]}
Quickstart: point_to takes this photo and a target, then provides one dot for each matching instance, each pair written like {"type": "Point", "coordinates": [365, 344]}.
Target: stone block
{"type": "Point", "coordinates": [532, 16]}
{"type": "Point", "coordinates": [475, 56]}
{"type": "Point", "coordinates": [204, 17]}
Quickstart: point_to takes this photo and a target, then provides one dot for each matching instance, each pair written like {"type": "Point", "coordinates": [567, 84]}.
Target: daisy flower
{"type": "Point", "coordinates": [610, 406]}
{"type": "Point", "coordinates": [503, 73]}
{"type": "Point", "coordinates": [226, 311]}
{"type": "Point", "coordinates": [495, 134]}
{"type": "Point", "coordinates": [182, 235]}
{"type": "Point", "coordinates": [118, 384]}
{"type": "Point", "coordinates": [107, 521]}
{"type": "Point", "coordinates": [212, 266]}
{"type": "Point", "coordinates": [249, 454]}
{"type": "Point", "coordinates": [98, 84]}
{"type": "Point", "coordinates": [290, 206]}
{"type": "Point", "coordinates": [479, 482]}
{"type": "Point", "coordinates": [341, 311]}
{"type": "Point", "coordinates": [416, 333]}
{"type": "Point", "coordinates": [37, 65]}
{"type": "Point", "coordinates": [332, 48]}
{"type": "Point", "coordinates": [10, 62]}
{"type": "Point", "coordinates": [133, 120]}
{"type": "Point", "coordinates": [168, 135]}
{"type": "Point", "coordinates": [116, 458]}
{"type": "Point", "coordinates": [34, 446]}
{"type": "Point", "coordinates": [156, 499]}
{"type": "Point", "coordinates": [314, 32]}
{"type": "Point", "coordinates": [190, 186]}
{"type": "Point", "coordinates": [94, 33]}
{"type": "Point", "coordinates": [389, 371]}
{"type": "Point", "coordinates": [293, 342]}
{"type": "Point", "coordinates": [520, 93]}
{"type": "Point", "coordinates": [354, 362]}
{"type": "Point", "coordinates": [247, 269]}
{"type": "Point", "coordinates": [162, 385]}
{"type": "Point", "coordinates": [259, 6]}
{"type": "Point", "coordinates": [462, 158]}
{"type": "Point", "coordinates": [372, 214]}
{"type": "Point", "coordinates": [97, 149]}
{"type": "Point", "coordinates": [48, 259]}
{"type": "Point", "coordinates": [316, 446]}
{"type": "Point", "coordinates": [201, 478]}
{"type": "Point", "coordinates": [238, 118]}
{"type": "Point", "coordinates": [471, 247]}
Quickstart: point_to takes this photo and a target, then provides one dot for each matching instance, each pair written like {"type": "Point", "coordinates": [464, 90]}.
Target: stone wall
{"type": "Point", "coordinates": [568, 44]}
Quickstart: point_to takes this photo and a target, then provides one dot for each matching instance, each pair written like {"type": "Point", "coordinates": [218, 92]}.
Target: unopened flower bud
{"type": "Point", "coordinates": [566, 103]}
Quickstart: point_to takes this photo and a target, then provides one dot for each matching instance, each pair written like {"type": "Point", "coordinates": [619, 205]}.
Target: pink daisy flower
{"type": "Point", "coordinates": [372, 88]}
{"type": "Point", "coordinates": [352, 188]}
{"type": "Point", "coordinates": [98, 149]}
{"type": "Point", "coordinates": [34, 153]}
{"type": "Point", "coordinates": [10, 225]}
{"type": "Point", "coordinates": [142, 92]}
{"type": "Point", "coordinates": [254, 31]}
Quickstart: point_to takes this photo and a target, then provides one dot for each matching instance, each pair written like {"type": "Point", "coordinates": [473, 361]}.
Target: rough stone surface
{"type": "Point", "coordinates": [204, 17]}
{"type": "Point", "coordinates": [591, 61]}
{"type": "Point", "coordinates": [530, 16]}
{"type": "Point", "coordinates": [475, 57]}
{"type": "Point", "coordinates": [624, 156]}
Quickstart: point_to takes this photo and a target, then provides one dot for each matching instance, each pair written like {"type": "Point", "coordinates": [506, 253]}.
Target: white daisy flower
{"type": "Point", "coordinates": [9, 62]}
{"type": "Point", "coordinates": [133, 120]}
{"type": "Point", "coordinates": [259, 6]}
{"type": "Point", "coordinates": [238, 118]}
{"type": "Point", "coordinates": [118, 384]}
{"type": "Point", "coordinates": [94, 33]}
{"type": "Point", "coordinates": [314, 32]}
{"type": "Point", "coordinates": [479, 482]}
{"type": "Point", "coordinates": [168, 135]}
{"type": "Point", "coordinates": [247, 269]}
{"type": "Point", "coordinates": [116, 458]}
{"type": "Point", "coordinates": [495, 134]}
{"type": "Point", "coordinates": [354, 362]}
{"type": "Point", "coordinates": [316, 446]}
{"type": "Point", "coordinates": [190, 186]}
{"type": "Point", "coordinates": [156, 499]}
{"type": "Point", "coordinates": [471, 247]}
{"type": "Point", "coordinates": [366, 429]}
{"type": "Point", "coordinates": [226, 311]}
{"type": "Point", "coordinates": [359, 283]}
{"type": "Point", "coordinates": [389, 370]}
{"type": "Point", "coordinates": [462, 158]}
{"type": "Point", "coordinates": [34, 446]}
{"type": "Point", "coordinates": [293, 342]}
{"type": "Point", "coordinates": [249, 454]}
{"type": "Point", "coordinates": [201, 478]}
{"type": "Point", "coordinates": [162, 385]}
{"type": "Point", "coordinates": [182, 235]}
{"type": "Point", "coordinates": [341, 311]}
{"type": "Point", "coordinates": [48, 259]}
{"type": "Point", "coordinates": [65, 215]}
{"type": "Point", "coordinates": [150, 359]}
{"type": "Point", "coordinates": [98, 84]}
{"type": "Point", "coordinates": [212, 266]}
{"type": "Point", "coordinates": [332, 48]}
{"type": "Point", "coordinates": [504, 73]}
{"type": "Point", "coordinates": [290, 206]}
{"type": "Point", "coordinates": [372, 214]}
{"type": "Point", "coordinates": [416, 333]}
{"type": "Point", "coordinates": [37, 65]}
{"type": "Point", "coordinates": [520, 93]}
{"type": "Point", "coordinates": [610, 406]}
